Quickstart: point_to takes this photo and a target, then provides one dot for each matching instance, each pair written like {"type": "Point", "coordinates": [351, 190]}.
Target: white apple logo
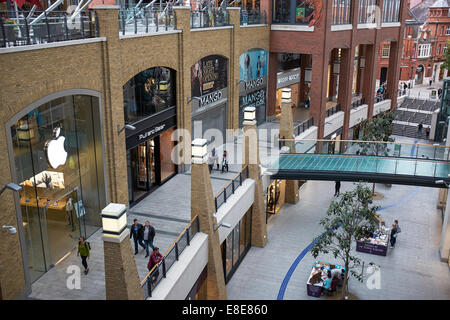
{"type": "Point", "coordinates": [54, 149]}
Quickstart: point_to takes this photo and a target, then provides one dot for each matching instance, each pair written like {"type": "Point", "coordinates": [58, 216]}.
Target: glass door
{"type": "Point", "coordinates": [60, 225]}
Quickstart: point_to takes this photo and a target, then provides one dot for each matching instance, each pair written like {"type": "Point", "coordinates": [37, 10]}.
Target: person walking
{"type": "Point", "coordinates": [154, 259]}
{"type": "Point", "coordinates": [215, 158]}
{"type": "Point", "coordinates": [84, 250]}
{"type": "Point", "coordinates": [419, 130]}
{"type": "Point", "coordinates": [337, 188]}
{"type": "Point", "coordinates": [224, 161]}
{"type": "Point", "coordinates": [394, 234]}
{"type": "Point", "coordinates": [149, 235]}
{"type": "Point", "coordinates": [137, 233]}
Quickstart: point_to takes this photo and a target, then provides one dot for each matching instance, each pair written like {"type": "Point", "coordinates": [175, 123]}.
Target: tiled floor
{"type": "Point", "coordinates": [410, 271]}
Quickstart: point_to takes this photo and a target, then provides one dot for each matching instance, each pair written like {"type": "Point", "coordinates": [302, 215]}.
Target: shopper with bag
{"type": "Point", "coordinates": [155, 258]}
{"type": "Point", "coordinates": [84, 250]}
{"type": "Point", "coordinates": [394, 234]}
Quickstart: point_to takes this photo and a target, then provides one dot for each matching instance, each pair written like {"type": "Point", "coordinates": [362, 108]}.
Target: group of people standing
{"type": "Point", "coordinates": [381, 92]}
{"type": "Point", "coordinates": [214, 160]}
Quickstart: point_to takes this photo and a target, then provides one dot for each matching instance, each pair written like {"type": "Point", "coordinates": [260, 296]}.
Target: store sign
{"type": "Point", "coordinates": [287, 78]}
{"type": "Point", "coordinates": [209, 80]}
{"type": "Point", "coordinates": [150, 132]}
{"type": "Point", "coordinates": [54, 149]}
{"type": "Point", "coordinates": [253, 69]}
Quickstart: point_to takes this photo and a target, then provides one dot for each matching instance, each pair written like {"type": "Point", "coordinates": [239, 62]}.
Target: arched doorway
{"type": "Point", "coordinates": [420, 74]}
{"type": "Point", "coordinates": [56, 155]}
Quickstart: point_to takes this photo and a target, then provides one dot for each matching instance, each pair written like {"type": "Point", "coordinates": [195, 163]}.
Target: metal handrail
{"type": "Point", "coordinates": [240, 174]}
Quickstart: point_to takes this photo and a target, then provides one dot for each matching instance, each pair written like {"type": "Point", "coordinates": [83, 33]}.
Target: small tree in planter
{"type": "Point", "coordinates": [348, 220]}
{"type": "Point", "coordinates": [376, 129]}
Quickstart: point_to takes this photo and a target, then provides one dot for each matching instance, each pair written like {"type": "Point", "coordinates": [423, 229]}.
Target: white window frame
{"type": "Point", "coordinates": [386, 49]}
{"type": "Point", "coordinates": [447, 32]}
{"type": "Point", "coordinates": [424, 50]}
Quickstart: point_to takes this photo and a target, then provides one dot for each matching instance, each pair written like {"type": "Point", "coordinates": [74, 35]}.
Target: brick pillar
{"type": "Point", "coordinates": [444, 249]}
{"type": "Point", "coordinates": [272, 85]}
{"type": "Point", "coordinates": [333, 81]}
{"type": "Point", "coordinates": [319, 91]}
{"type": "Point", "coordinates": [370, 77]}
{"type": "Point", "coordinates": [112, 100]}
{"type": "Point", "coordinates": [251, 159]}
{"type": "Point", "coordinates": [121, 275]}
{"type": "Point", "coordinates": [287, 131]}
{"type": "Point", "coordinates": [202, 205]}
{"type": "Point", "coordinates": [233, 89]}
{"type": "Point", "coordinates": [266, 6]}
{"type": "Point", "coordinates": [393, 73]}
{"type": "Point", "coordinates": [302, 93]}
{"type": "Point", "coordinates": [345, 87]}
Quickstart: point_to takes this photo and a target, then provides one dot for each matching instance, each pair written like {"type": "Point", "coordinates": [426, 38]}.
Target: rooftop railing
{"type": "Point", "coordinates": [146, 20]}
{"type": "Point", "coordinates": [209, 17]}
{"type": "Point", "coordinates": [52, 27]}
{"type": "Point", "coordinates": [159, 271]}
{"type": "Point", "coordinates": [251, 17]}
{"type": "Point", "coordinates": [230, 188]}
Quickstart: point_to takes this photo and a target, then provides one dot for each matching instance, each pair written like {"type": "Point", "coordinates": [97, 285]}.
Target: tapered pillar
{"type": "Point", "coordinates": [251, 159]}
{"type": "Point", "coordinates": [287, 131]}
{"type": "Point", "coordinates": [121, 275]}
{"type": "Point", "coordinates": [202, 205]}
{"type": "Point", "coordinates": [444, 249]}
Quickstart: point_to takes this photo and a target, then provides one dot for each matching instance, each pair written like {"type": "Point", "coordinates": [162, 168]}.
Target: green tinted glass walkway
{"type": "Point", "coordinates": [308, 166]}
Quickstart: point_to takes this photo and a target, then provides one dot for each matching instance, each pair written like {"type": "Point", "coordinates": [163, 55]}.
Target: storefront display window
{"type": "Point", "coordinates": [148, 93]}
{"type": "Point", "coordinates": [58, 158]}
{"type": "Point", "coordinates": [236, 245]}
{"type": "Point", "coordinates": [275, 196]}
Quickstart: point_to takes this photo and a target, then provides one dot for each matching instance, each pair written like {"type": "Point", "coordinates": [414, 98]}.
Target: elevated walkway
{"type": "Point", "coordinates": [392, 163]}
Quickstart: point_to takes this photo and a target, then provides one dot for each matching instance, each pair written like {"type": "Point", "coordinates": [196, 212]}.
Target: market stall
{"type": "Point", "coordinates": [318, 275]}
{"type": "Point", "coordinates": [376, 243]}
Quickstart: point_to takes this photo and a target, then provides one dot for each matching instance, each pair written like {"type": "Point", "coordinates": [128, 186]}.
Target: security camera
{"type": "Point", "coordinates": [11, 229]}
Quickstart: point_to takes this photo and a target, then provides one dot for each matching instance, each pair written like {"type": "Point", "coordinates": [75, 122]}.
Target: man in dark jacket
{"type": "Point", "coordinates": [149, 235]}
{"type": "Point", "coordinates": [337, 188]}
{"type": "Point", "coordinates": [137, 233]}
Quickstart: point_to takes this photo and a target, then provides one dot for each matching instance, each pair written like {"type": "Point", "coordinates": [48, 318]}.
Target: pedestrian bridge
{"type": "Point", "coordinates": [370, 161]}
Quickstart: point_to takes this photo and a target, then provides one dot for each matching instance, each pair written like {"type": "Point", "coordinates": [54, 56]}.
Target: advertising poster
{"type": "Point", "coordinates": [208, 81]}
{"type": "Point", "coordinates": [253, 68]}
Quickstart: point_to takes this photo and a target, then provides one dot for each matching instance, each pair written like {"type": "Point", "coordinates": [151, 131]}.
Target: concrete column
{"type": "Point", "coordinates": [121, 275]}
{"type": "Point", "coordinates": [287, 131]}
{"type": "Point", "coordinates": [251, 159]}
{"type": "Point", "coordinates": [112, 100]}
{"type": "Point", "coordinates": [444, 249]}
{"type": "Point", "coordinates": [202, 205]}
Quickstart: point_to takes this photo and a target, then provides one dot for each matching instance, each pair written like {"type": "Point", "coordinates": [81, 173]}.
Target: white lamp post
{"type": "Point", "coordinates": [114, 220]}
{"type": "Point", "coordinates": [362, 62]}
{"type": "Point", "coordinates": [249, 116]}
{"type": "Point", "coordinates": [199, 151]}
{"type": "Point", "coordinates": [286, 95]}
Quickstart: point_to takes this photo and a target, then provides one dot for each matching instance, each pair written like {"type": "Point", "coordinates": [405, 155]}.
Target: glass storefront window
{"type": "Point", "coordinates": [341, 11]}
{"type": "Point", "coordinates": [281, 11]}
{"type": "Point", "coordinates": [167, 166]}
{"type": "Point", "coordinates": [148, 93]}
{"type": "Point", "coordinates": [58, 158]}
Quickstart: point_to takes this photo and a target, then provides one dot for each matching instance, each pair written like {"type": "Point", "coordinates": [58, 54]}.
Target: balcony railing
{"type": "Point", "coordinates": [367, 11]}
{"type": "Point", "coordinates": [302, 127]}
{"type": "Point", "coordinates": [342, 11]}
{"type": "Point", "coordinates": [230, 188]}
{"type": "Point", "coordinates": [52, 27]}
{"type": "Point", "coordinates": [146, 20]}
{"type": "Point", "coordinates": [359, 102]}
{"type": "Point", "coordinates": [249, 17]}
{"type": "Point", "coordinates": [209, 17]}
{"type": "Point", "coordinates": [159, 271]}
{"type": "Point", "coordinates": [391, 11]}
{"type": "Point", "coordinates": [333, 110]}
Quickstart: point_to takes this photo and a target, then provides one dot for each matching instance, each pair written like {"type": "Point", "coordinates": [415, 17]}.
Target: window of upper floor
{"type": "Point", "coordinates": [447, 33]}
{"type": "Point", "coordinates": [424, 50]}
{"type": "Point", "coordinates": [386, 50]}
{"type": "Point", "coordinates": [391, 11]}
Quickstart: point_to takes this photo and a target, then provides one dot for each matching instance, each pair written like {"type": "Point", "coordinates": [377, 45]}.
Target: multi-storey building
{"type": "Point", "coordinates": [117, 83]}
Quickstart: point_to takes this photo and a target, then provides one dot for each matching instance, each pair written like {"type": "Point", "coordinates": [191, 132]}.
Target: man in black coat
{"type": "Point", "coordinates": [137, 233]}
{"type": "Point", "coordinates": [149, 235]}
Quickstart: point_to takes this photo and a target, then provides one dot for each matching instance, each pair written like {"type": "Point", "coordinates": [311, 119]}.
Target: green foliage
{"type": "Point", "coordinates": [446, 55]}
{"type": "Point", "coordinates": [347, 220]}
{"type": "Point", "coordinates": [378, 128]}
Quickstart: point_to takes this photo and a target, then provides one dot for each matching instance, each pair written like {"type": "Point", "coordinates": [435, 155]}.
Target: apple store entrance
{"type": "Point", "coordinates": [58, 161]}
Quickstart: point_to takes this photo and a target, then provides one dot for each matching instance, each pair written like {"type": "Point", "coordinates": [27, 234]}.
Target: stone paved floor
{"type": "Point", "coordinates": [410, 271]}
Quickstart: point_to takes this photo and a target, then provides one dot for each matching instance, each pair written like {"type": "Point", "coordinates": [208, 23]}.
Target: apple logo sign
{"type": "Point", "coordinates": [54, 149]}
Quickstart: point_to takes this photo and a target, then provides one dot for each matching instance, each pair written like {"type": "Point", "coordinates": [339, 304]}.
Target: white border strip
{"type": "Point", "coordinates": [150, 34]}
{"type": "Point", "coordinates": [211, 28]}
{"type": "Point", "coordinates": [341, 27]}
{"type": "Point", "coordinates": [391, 24]}
{"type": "Point", "coordinates": [367, 25]}
{"type": "Point", "coordinates": [290, 27]}
{"type": "Point", "coordinates": [254, 25]}
{"type": "Point", "coordinates": [51, 45]}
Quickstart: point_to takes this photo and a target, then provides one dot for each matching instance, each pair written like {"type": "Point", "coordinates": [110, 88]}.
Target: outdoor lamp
{"type": "Point", "coordinates": [308, 75]}
{"type": "Point", "coordinates": [114, 219]}
{"type": "Point", "coordinates": [127, 126]}
{"type": "Point", "coordinates": [362, 62]}
{"type": "Point", "coordinates": [11, 186]}
{"type": "Point", "coordinates": [249, 116]}
{"type": "Point", "coordinates": [286, 94]}
{"type": "Point", "coordinates": [199, 151]}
